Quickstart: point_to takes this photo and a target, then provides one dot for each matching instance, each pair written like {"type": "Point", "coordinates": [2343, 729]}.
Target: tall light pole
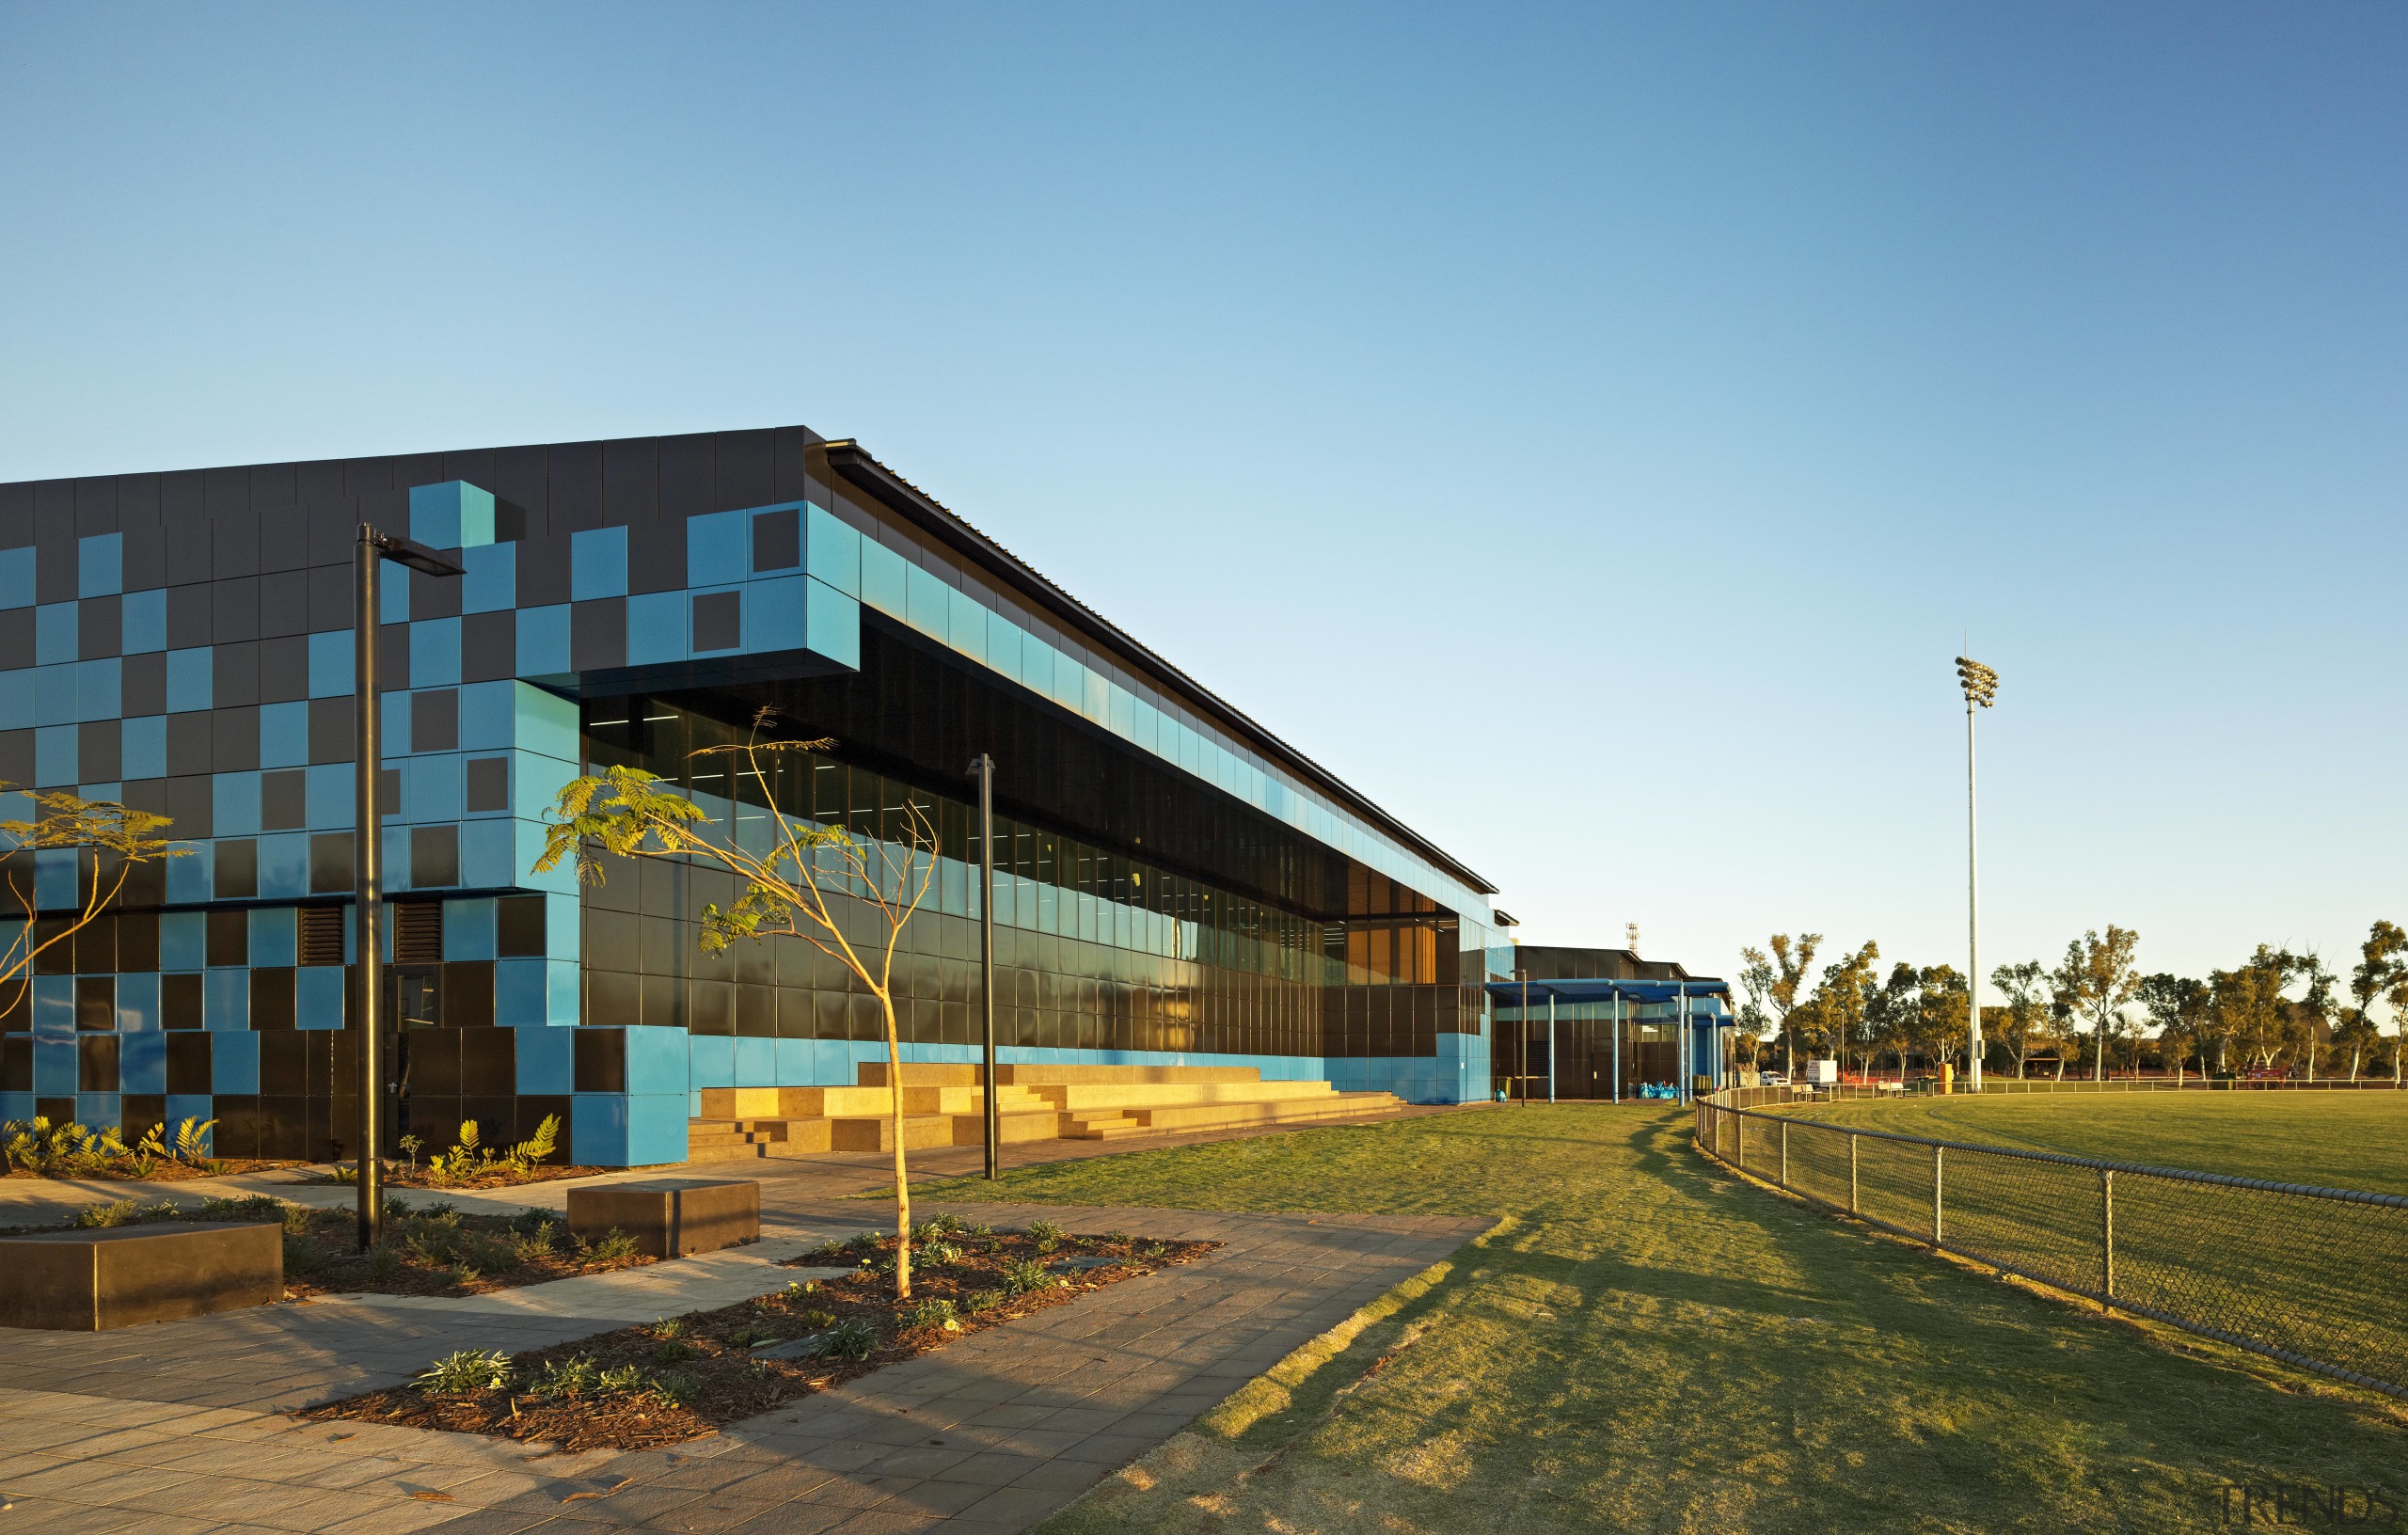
{"type": "Point", "coordinates": [1981, 688]}
{"type": "Point", "coordinates": [367, 862]}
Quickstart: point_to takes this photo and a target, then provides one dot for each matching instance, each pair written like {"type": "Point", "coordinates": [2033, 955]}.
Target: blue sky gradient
{"type": "Point", "coordinates": [1590, 431]}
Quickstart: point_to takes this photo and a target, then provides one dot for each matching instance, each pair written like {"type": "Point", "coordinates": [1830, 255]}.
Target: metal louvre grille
{"type": "Point", "coordinates": [2316, 1277]}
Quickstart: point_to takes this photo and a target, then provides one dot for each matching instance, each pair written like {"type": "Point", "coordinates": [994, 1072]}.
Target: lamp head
{"type": "Point", "coordinates": [1979, 682]}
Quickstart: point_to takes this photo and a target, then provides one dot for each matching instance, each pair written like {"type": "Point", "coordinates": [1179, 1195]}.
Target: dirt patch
{"type": "Point", "coordinates": [684, 1377]}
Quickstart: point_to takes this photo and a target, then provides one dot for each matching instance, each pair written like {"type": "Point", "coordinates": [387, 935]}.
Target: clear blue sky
{"type": "Point", "coordinates": [1589, 431]}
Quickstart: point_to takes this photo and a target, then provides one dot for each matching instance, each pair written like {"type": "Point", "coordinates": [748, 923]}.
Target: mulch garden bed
{"type": "Point", "coordinates": [434, 1250]}
{"type": "Point", "coordinates": [499, 1176]}
{"type": "Point", "coordinates": [152, 1170]}
{"type": "Point", "coordinates": [684, 1377]}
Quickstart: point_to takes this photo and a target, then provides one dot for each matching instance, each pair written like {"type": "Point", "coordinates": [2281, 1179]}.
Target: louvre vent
{"type": "Point", "coordinates": [417, 932]}
{"type": "Point", "coordinates": [321, 935]}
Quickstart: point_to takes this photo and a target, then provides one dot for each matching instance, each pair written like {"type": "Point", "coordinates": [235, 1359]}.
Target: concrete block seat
{"type": "Point", "coordinates": [117, 1277]}
{"type": "Point", "coordinates": [670, 1217]}
{"type": "Point", "coordinates": [943, 1105]}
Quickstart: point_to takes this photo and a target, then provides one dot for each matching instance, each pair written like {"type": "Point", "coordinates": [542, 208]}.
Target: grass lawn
{"type": "Point", "coordinates": [1647, 1344]}
{"type": "Point", "coordinates": [2336, 1140]}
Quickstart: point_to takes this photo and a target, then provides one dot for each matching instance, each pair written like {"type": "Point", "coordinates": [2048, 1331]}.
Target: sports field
{"type": "Point", "coordinates": [2340, 1140]}
{"type": "Point", "coordinates": [1649, 1344]}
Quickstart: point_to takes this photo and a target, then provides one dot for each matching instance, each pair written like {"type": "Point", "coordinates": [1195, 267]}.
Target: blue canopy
{"type": "Point", "coordinates": [1512, 992]}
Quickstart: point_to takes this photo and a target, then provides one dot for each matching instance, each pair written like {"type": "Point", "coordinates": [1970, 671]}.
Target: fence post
{"type": "Point", "coordinates": [2107, 1237]}
{"type": "Point", "coordinates": [1739, 1141]}
{"type": "Point", "coordinates": [1851, 1171]}
{"type": "Point", "coordinates": [1785, 1151]}
{"type": "Point", "coordinates": [1936, 1227]}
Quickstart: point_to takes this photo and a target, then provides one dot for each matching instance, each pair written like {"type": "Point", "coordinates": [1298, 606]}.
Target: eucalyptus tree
{"type": "Point", "coordinates": [2024, 1017]}
{"type": "Point", "coordinates": [1773, 985]}
{"type": "Point", "coordinates": [2179, 1006]}
{"type": "Point", "coordinates": [1840, 1000]}
{"type": "Point", "coordinates": [2381, 969]}
{"type": "Point", "coordinates": [2098, 981]}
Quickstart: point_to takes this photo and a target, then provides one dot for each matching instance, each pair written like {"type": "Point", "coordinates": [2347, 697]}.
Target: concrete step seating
{"type": "Point", "coordinates": [943, 1105]}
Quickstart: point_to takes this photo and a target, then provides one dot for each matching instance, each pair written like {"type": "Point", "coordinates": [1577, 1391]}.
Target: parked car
{"type": "Point", "coordinates": [1773, 1079]}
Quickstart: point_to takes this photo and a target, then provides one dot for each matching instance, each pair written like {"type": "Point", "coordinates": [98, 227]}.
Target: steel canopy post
{"type": "Point", "coordinates": [367, 872]}
{"type": "Point", "coordinates": [984, 768]}
{"type": "Point", "coordinates": [368, 556]}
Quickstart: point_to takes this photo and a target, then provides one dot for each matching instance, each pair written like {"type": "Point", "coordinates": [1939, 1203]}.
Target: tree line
{"type": "Point", "coordinates": [2277, 1012]}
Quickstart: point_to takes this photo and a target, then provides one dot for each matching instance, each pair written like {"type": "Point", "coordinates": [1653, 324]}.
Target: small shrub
{"type": "Point", "coordinates": [1046, 1235]}
{"type": "Point", "coordinates": [863, 1243]}
{"type": "Point", "coordinates": [490, 1254]}
{"type": "Point", "coordinates": [1156, 1249]}
{"type": "Point", "coordinates": [253, 1207]}
{"type": "Point", "coordinates": [667, 1327]}
{"type": "Point", "coordinates": [442, 1211]}
{"type": "Point", "coordinates": [122, 1212]}
{"type": "Point", "coordinates": [469, 1370]}
{"type": "Point", "coordinates": [1022, 1275]}
{"type": "Point", "coordinates": [297, 1219]}
{"type": "Point", "coordinates": [855, 1337]}
{"type": "Point", "coordinates": [624, 1379]}
{"type": "Point", "coordinates": [612, 1246]}
{"type": "Point", "coordinates": [937, 1226]}
{"type": "Point", "coordinates": [986, 1300]}
{"type": "Point", "coordinates": [936, 1255]}
{"type": "Point", "coordinates": [530, 1245]}
{"type": "Point", "coordinates": [932, 1312]}
{"type": "Point", "coordinates": [1121, 1239]}
{"type": "Point", "coordinates": [674, 1351]}
{"type": "Point", "coordinates": [384, 1261]}
{"type": "Point", "coordinates": [576, 1376]}
{"type": "Point", "coordinates": [815, 1318]}
{"type": "Point", "coordinates": [678, 1387]}
{"type": "Point", "coordinates": [301, 1255]}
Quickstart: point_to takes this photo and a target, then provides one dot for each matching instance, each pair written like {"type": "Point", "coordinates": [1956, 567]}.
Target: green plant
{"type": "Point", "coordinates": [936, 1255]}
{"type": "Point", "coordinates": [855, 1337]}
{"type": "Point", "coordinates": [1156, 1249]}
{"type": "Point", "coordinates": [250, 1207]}
{"type": "Point", "coordinates": [748, 1338]}
{"type": "Point", "coordinates": [674, 1351]}
{"type": "Point", "coordinates": [667, 1327]}
{"type": "Point", "coordinates": [815, 1318]}
{"type": "Point", "coordinates": [410, 1144]}
{"type": "Point", "coordinates": [122, 1212]}
{"type": "Point", "coordinates": [1022, 1275]}
{"type": "Point", "coordinates": [384, 1262]}
{"type": "Point", "coordinates": [576, 1376]}
{"type": "Point", "coordinates": [677, 1387]}
{"type": "Point", "coordinates": [929, 1312]}
{"type": "Point", "coordinates": [536, 1147]}
{"type": "Point", "coordinates": [1119, 1238]}
{"type": "Point", "coordinates": [301, 1255]}
{"type": "Point", "coordinates": [469, 1370]}
{"type": "Point", "coordinates": [986, 1300]}
{"type": "Point", "coordinates": [1046, 1235]}
{"type": "Point", "coordinates": [612, 1246]}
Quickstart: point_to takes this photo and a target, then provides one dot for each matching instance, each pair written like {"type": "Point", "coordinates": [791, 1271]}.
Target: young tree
{"type": "Point", "coordinates": [1941, 1000]}
{"type": "Point", "coordinates": [107, 841]}
{"type": "Point", "coordinates": [2098, 981]}
{"type": "Point", "coordinates": [2313, 1012]}
{"type": "Point", "coordinates": [1772, 984]}
{"type": "Point", "coordinates": [1840, 1000]}
{"type": "Point", "coordinates": [1891, 1012]}
{"type": "Point", "coordinates": [2179, 1006]}
{"type": "Point", "coordinates": [2247, 1007]}
{"type": "Point", "coordinates": [2383, 965]}
{"type": "Point", "coordinates": [2026, 1009]}
{"type": "Point", "coordinates": [799, 879]}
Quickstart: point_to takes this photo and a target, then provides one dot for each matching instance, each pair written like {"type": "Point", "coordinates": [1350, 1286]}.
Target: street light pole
{"type": "Point", "coordinates": [984, 767]}
{"type": "Point", "coordinates": [1981, 687]}
{"type": "Point", "coordinates": [367, 861]}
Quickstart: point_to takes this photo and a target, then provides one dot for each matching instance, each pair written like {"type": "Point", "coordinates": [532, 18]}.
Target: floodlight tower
{"type": "Point", "coordinates": [1981, 687]}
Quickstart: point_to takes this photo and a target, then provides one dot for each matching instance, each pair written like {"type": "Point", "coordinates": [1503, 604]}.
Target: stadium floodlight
{"type": "Point", "coordinates": [1981, 688]}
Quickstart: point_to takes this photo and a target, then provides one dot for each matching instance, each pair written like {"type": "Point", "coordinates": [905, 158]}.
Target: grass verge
{"type": "Point", "coordinates": [1646, 1343]}
{"type": "Point", "coordinates": [2332, 1140]}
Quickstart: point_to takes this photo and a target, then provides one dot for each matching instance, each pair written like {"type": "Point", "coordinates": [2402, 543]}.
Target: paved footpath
{"type": "Point", "coordinates": [176, 1428]}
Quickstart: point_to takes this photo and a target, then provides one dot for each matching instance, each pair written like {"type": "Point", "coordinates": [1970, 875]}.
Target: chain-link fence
{"type": "Point", "coordinates": [2315, 1277]}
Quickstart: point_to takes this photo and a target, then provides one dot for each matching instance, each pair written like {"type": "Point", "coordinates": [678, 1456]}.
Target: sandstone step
{"type": "Point", "coordinates": [953, 1074]}
{"type": "Point", "coordinates": [1099, 1126]}
{"type": "Point", "coordinates": [1071, 1096]}
{"type": "Point", "coordinates": [922, 1131]}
